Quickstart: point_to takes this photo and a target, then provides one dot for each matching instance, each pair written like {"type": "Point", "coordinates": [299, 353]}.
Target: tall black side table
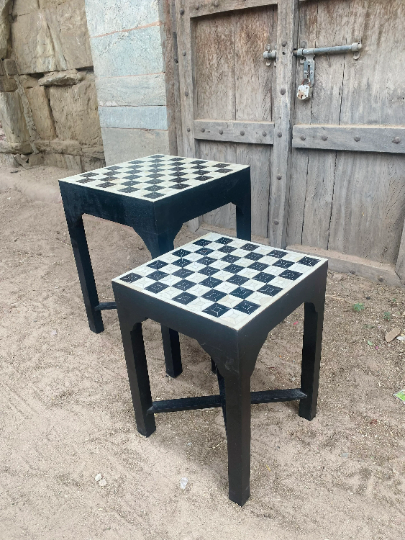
{"type": "Point", "coordinates": [228, 294]}
{"type": "Point", "coordinates": [155, 196]}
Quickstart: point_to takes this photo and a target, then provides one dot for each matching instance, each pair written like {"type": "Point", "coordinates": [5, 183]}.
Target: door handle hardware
{"type": "Point", "coordinates": [307, 57]}
{"type": "Point", "coordinates": [269, 55]}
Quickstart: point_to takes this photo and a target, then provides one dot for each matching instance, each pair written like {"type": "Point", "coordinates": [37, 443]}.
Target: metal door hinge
{"type": "Point", "coordinates": [269, 55]}
{"type": "Point", "coordinates": [307, 57]}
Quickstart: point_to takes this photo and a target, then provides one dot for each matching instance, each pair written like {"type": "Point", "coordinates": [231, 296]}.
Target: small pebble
{"type": "Point", "coordinates": [183, 483]}
{"type": "Point", "coordinates": [345, 454]}
{"type": "Point", "coordinates": [98, 477]}
{"type": "Point", "coordinates": [103, 482]}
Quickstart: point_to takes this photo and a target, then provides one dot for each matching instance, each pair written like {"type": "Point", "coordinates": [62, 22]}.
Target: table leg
{"type": "Point", "coordinates": [237, 396]}
{"type": "Point", "coordinates": [85, 271]}
{"type": "Point", "coordinates": [159, 244]}
{"type": "Point", "coordinates": [311, 357]}
{"type": "Point", "coordinates": [244, 215]}
{"type": "Point", "coordinates": [134, 349]}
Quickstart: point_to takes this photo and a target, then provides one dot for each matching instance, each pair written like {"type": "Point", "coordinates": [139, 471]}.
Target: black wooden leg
{"type": "Point", "coordinates": [237, 394]}
{"type": "Point", "coordinates": [86, 276]}
{"type": "Point", "coordinates": [137, 367]}
{"type": "Point", "coordinates": [244, 216]}
{"type": "Point", "coordinates": [221, 386]}
{"type": "Point", "coordinates": [213, 366]}
{"type": "Point", "coordinates": [158, 244]}
{"type": "Point", "coordinates": [311, 359]}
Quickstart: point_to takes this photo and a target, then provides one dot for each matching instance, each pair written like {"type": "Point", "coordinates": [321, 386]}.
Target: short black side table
{"type": "Point", "coordinates": [228, 294]}
{"type": "Point", "coordinates": [155, 196]}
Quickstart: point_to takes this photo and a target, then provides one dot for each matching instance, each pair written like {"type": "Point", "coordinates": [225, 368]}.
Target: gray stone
{"type": "Point", "coordinates": [75, 113]}
{"type": "Point", "coordinates": [12, 118]}
{"type": "Point", "coordinates": [22, 7]}
{"type": "Point", "coordinates": [131, 91]}
{"type": "Point", "coordinates": [7, 84]}
{"type": "Point", "coordinates": [5, 6]}
{"type": "Point", "coordinates": [41, 113]}
{"type": "Point", "coordinates": [126, 144]}
{"type": "Point", "coordinates": [15, 148]}
{"type": "Point", "coordinates": [116, 15]}
{"type": "Point", "coordinates": [128, 53]}
{"type": "Point", "coordinates": [28, 82]}
{"type": "Point", "coordinates": [10, 67]}
{"type": "Point", "coordinates": [68, 26]}
{"type": "Point", "coordinates": [32, 44]}
{"type": "Point", "coordinates": [62, 78]}
{"type": "Point", "coordinates": [133, 117]}
{"type": "Point", "coordinates": [73, 163]}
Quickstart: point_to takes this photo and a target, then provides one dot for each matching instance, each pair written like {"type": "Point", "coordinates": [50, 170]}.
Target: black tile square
{"type": "Point", "coordinates": [85, 180]}
{"type": "Point", "coordinates": [154, 195]}
{"type": "Point", "coordinates": [214, 295]}
{"type": "Point", "coordinates": [130, 183]}
{"type": "Point", "coordinates": [156, 287]}
{"type": "Point", "coordinates": [128, 190]}
{"type": "Point", "coordinates": [152, 188]}
{"type": "Point", "coordinates": [198, 162]}
{"type": "Point", "coordinates": [130, 278]}
{"type": "Point", "coordinates": [179, 186]}
{"type": "Point", "coordinates": [202, 242]}
{"type": "Point", "coordinates": [290, 274]}
{"type": "Point", "coordinates": [238, 280]}
{"type": "Point", "coordinates": [157, 276]}
{"type": "Point", "coordinates": [184, 285]}
{"type": "Point", "coordinates": [233, 268]}
{"type": "Point", "coordinates": [89, 174]}
{"type": "Point", "coordinates": [154, 176]}
{"type": "Point", "coordinates": [154, 182]}
{"type": "Point", "coordinates": [135, 162]}
{"type": "Point", "coordinates": [181, 253]}
{"type": "Point", "coordinates": [184, 298]}
{"type": "Point", "coordinates": [208, 271]}
{"type": "Point", "coordinates": [283, 263]}
{"type": "Point", "coordinates": [183, 273]}
{"type": "Point", "coordinates": [211, 282]}
{"type": "Point", "coordinates": [258, 266]}
{"type": "Point", "coordinates": [241, 292]}
{"type": "Point", "coordinates": [223, 241]}
{"type": "Point", "coordinates": [249, 247]}
{"type": "Point", "coordinates": [221, 165]}
{"type": "Point", "coordinates": [253, 256]}
{"type": "Point", "coordinates": [204, 251]}
{"type": "Point", "coordinates": [157, 264]}
{"type": "Point", "coordinates": [105, 185]}
{"type": "Point", "coordinates": [230, 258]}
{"type": "Point", "coordinates": [181, 262]}
{"type": "Point", "coordinates": [278, 254]}
{"type": "Point", "coordinates": [113, 168]}
{"type": "Point", "coordinates": [224, 171]}
{"type": "Point", "coordinates": [206, 261]}
{"type": "Point", "coordinates": [216, 310]}
{"type": "Point", "coordinates": [203, 178]}
{"type": "Point", "coordinates": [270, 290]}
{"type": "Point", "coordinates": [264, 277]}
{"type": "Point", "coordinates": [247, 307]}
{"type": "Point", "coordinates": [226, 249]}
{"type": "Point", "coordinates": [308, 261]}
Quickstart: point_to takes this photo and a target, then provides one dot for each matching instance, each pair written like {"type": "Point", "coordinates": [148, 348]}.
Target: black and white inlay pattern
{"type": "Point", "coordinates": [154, 177]}
{"type": "Point", "coordinates": [202, 278]}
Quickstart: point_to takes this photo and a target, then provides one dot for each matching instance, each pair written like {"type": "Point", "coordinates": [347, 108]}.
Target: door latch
{"type": "Point", "coordinates": [269, 55]}
{"type": "Point", "coordinates": [307, 57]}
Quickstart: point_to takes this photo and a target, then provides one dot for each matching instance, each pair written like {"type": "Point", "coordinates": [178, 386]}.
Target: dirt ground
{"type": "Point", "coordinates": [66, 411]}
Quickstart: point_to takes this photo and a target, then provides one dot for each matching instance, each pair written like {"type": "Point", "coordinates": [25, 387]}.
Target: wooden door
{"type": "Point", "coordinates": [229, 99]}
{"type": "Point", "coordinates": [330, 172]}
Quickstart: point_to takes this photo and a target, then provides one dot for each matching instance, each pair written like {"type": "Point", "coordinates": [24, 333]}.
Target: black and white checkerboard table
{"type": "Point", "coordinates": [155, 177]}
{"type": "Point", "coordinates": [155, 196]}
{"type": "Point", "coordinates": [222, 278]}
{"type": "Point", "coordinates": [228, 294]}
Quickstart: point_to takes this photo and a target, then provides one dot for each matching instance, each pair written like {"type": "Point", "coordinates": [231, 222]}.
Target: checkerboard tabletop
{"type": "Point", "coordinates": [154, 177]}
{"type": "Point", "coordinates": [222, 278]}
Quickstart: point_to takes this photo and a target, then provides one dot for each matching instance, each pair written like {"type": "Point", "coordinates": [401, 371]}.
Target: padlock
{"type": "Point", "coordinates": [304, 90]}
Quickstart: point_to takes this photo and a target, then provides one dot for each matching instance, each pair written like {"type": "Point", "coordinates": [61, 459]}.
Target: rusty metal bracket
{"type": "Point", "coordinates": [269, 55]}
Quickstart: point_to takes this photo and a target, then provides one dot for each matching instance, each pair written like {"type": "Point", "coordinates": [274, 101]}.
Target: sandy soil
{"type": "Point", "coordinates": [66, 412]}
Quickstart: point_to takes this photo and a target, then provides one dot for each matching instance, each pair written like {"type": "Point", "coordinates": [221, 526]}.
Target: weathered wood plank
{"type": "Point", "coordinates": [355, 138]}
{"type": "Point", "coordinates": [339, 262]}
{"type": "Point", "coordinates": [210, 7]}
{"type": "Point", "coordinates": [369, 199]}
{"type": "Point", "coordinates": [238, 132]}
{"type": "Point", "coordinates": [287, 22]}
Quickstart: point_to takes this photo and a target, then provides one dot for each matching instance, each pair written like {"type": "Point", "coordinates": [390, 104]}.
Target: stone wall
{"type": "Point", "coordinates": [128, 47]}
{"type": "Point", "coordinates": [48, 103]}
